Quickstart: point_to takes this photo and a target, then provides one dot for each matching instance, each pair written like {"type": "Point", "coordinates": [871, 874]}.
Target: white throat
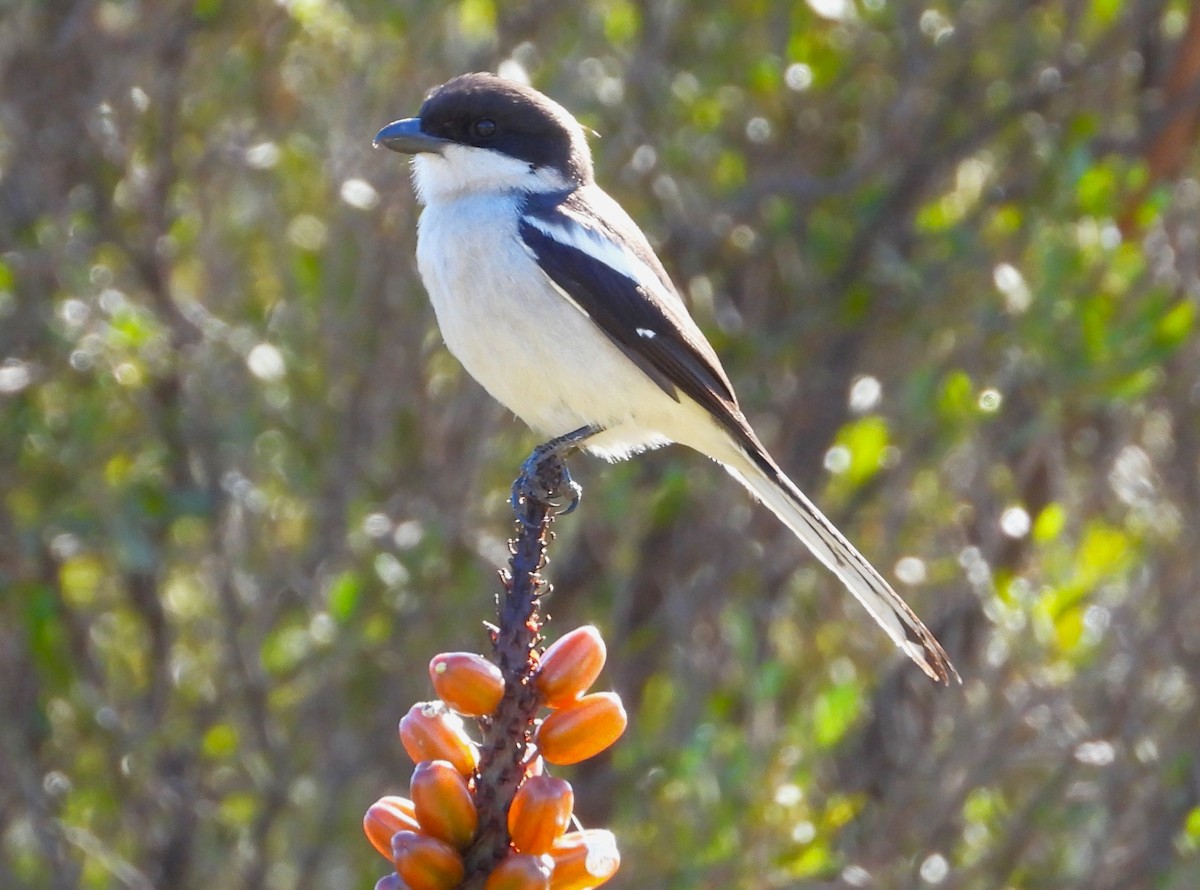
{"type": "Point", "coordinates": [462, 170]}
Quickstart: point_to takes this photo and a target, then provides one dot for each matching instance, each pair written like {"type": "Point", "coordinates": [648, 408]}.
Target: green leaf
{"type": "Point", "coordinates": [80, 578]}
{"type": "Point", "coordinates": [207, 10]}
{"type": "Point", "coordinates": [1096, 191]}
{"type": "Point", "coordinates": [1100, 14]}
{"type": "Point", "coordinates": [238, 809]}
{"type": "Point", "coordinates": [865, 440]}
{"type": "Point", "coordinates": [344, 595]}
{"type": "Point", "coordinates": [1176, 324]}
{"type": "Point", "coordinates": [477, 18]}
{"type": "Point", "coordinates": [1103, 552]}
{"type": "Point", "coordinates": [956, 400]}
{"type": "Point", "coordinates": [815, 860]}
{"type": "Point", "coordinates": [834, 712]}
{"type": "Point", "coordinates": [1190, 837]}
{"type": "Point", "coordinates": [1068, 628]}
{"type": "Point", "coordinates": [284, 649]}
{"type": "Point", "coordinates": [220, 742]}
{"type": "Point", "coordinates": [622, 22]}
{"type": "Point", "coordinates": [1049, 523]}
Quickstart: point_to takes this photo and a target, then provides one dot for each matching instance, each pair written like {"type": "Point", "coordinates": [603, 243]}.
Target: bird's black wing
{"type": "Point", "coordinates": [603, 264]}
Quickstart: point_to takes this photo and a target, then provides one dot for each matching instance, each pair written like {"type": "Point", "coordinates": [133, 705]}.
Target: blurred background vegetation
{"type": "Point", "coordinates": [949, 252]}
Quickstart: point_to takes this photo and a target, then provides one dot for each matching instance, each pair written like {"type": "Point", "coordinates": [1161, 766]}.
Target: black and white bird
{"type": "Point", "coordinates": [553, 300]}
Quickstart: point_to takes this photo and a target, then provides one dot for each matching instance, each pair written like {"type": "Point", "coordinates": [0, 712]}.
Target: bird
{"type": "Point", "coordinates": [552, 298]}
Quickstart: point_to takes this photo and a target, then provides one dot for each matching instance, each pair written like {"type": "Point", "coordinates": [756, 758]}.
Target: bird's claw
{"type": "Point", "coordinates": [576, 493]}
{"type": "Point", "coordinates": [545, 479]}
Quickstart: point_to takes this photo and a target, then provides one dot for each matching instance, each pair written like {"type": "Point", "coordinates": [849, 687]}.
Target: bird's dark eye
{"type": "Point", "coordinates": [483, 128]}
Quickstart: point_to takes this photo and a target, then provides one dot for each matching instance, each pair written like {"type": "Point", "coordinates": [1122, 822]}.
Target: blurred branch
{"type": "Point", "coordinates": [1170, 139]}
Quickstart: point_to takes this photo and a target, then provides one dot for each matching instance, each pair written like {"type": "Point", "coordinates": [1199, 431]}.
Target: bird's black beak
{"type": "Point", "coordinates": [406, 136]}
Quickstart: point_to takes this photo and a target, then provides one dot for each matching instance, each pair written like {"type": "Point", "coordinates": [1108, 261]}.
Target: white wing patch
{"type": "Point", "coordinates": [603, 250]}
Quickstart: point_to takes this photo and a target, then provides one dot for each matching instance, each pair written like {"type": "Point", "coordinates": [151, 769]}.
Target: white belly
{"type": "Point", "coordinates": [534, 351]}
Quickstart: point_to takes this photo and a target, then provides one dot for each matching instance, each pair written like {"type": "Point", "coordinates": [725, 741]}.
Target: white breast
{"type": "Point", "coordinates": [525, 343]}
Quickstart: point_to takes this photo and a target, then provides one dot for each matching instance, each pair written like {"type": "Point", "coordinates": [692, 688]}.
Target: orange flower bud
{"type": "Point", "coordinates": [469, 683]}
{"type": "Point", "coordinates": [425, 863]}
{"type": "Point", "coordinates": [540, 812]}
{"type": "Point", "coordinates": [582, 730]}
{"type": "Point", "coordinates": [521, 871]}
{"type": "Point", "coordinates": [584, 859]}
{"type": "Point", "coordinates": [430, 732]}
{"type": "Point", "coordinates": [443, 803]}
{"type": "Point", "coordinates": [570, 666]}
{"type": "Point", "coordinates": [384, 818]}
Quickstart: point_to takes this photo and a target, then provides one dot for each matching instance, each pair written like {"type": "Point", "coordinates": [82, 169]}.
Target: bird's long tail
{"type": "Point", "coordinates": [755, 469]}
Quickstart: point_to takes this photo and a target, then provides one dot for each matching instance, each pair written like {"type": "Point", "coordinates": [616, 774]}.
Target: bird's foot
{"type": "Point", "coordinates": [545, 478]}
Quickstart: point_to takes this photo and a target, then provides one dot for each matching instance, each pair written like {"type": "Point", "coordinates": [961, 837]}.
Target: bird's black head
{"type": "Point", "coordinates": [485, 111]}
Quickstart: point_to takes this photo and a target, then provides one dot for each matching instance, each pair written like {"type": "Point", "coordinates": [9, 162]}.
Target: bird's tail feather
{"type": "Point", "coordinates": [759, 473]}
